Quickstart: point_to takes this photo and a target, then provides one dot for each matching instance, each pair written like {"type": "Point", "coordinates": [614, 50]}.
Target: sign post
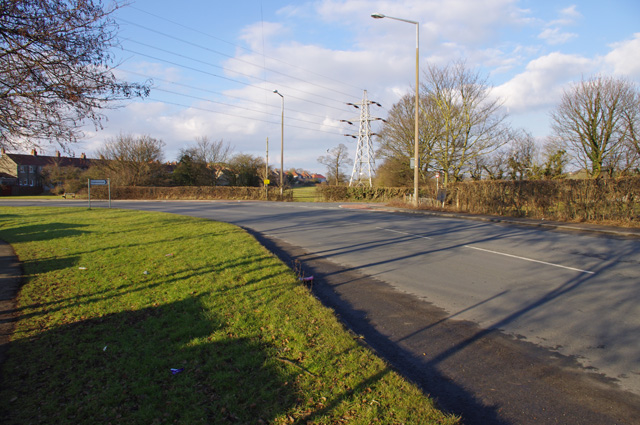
{"type": "Point", "coordinates": [103, 182]}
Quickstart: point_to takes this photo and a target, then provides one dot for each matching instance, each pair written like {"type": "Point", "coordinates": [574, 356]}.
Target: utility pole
{"type": "Point", "coordinates": [266, 173]}
{"type": "Point", "coordinates": [364, 164]}
{"type": "Point", "coordinates": [281, 145]}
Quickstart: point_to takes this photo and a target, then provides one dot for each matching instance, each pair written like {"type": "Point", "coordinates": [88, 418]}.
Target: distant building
{"type": "Point", "coordinates": [319, 177]}
{"type": "Point", "coordinates": [304, 177]}
{"type": "Point", "coordinates": [25, 171]}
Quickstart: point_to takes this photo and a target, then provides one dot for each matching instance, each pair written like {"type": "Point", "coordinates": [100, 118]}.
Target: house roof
{"type": "Point", "coordinates": [42, 160]}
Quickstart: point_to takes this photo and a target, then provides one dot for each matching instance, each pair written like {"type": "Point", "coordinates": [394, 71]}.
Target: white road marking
{"type": "Point", "coordinates": [528, 259]}
{"type": "Point", "coordinates": [404, 233]}
{"type": "Point", "coordinates": [496, 252]}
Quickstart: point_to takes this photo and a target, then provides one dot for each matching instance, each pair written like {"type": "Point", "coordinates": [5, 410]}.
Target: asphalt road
{"type": "Point", "coordinates": [563, 305]}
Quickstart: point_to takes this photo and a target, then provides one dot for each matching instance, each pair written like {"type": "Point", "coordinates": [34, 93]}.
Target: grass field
{"type": "Point", "coordinates": [305, 194]}
{"type": "Point", "coordinates": [148, 318]}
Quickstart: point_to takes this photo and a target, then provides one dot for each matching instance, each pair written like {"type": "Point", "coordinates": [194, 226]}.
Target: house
{"type": "Point", "coordinates": [25, 171]}
{"type": "Point", "coordinates": [305, 178]}
{"type": "Point", "coordinates": [319, 177]}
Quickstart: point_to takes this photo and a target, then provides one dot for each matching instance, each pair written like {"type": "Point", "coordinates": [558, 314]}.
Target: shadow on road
{"type": "Point", "coordinates": [480, 374]}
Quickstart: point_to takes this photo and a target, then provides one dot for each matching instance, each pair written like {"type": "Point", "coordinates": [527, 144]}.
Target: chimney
{"type": "Point", "coordinates": [3, 151]}
{"type": "Point", "coordinates": [34, 152]}
{"type": "Point", "coordinates": [57, 154]}
{"type": "Point", "coordinates": [83, 156]}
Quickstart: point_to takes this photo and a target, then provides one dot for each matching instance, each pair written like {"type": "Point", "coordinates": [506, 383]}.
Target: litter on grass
{"type": "Point", "coordinates": [176, 371]}
{"type": "Point", "coordinates": [169, 255]}
{"type": "Point", "coordinates": [82, 268]}
{"type": "Point", "coordinates": [306, 279]}
{"type": "Point", "coordinates": [145, 272]}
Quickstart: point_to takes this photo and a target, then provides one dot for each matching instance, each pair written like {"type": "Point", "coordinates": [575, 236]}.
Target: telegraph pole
{"type": "Point", "coordinates": [266, 173]}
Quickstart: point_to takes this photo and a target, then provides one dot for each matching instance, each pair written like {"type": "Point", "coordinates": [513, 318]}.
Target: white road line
{"type": "Point", "coordinates": [528, 259]}
{"type": "Point", "coordinates": [404, 233]}
{"type": "Point", "coordinates": [496, 252]}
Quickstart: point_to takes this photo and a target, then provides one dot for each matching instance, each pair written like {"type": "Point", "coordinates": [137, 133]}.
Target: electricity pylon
{"type": "Point", "coordinates": [364, 163]}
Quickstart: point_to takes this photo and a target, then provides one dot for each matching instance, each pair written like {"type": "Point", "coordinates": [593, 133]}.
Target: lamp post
{"type": "Point", "coordinates": [281, 143]}
{"type": "Point", "coordinates": [416, 161]}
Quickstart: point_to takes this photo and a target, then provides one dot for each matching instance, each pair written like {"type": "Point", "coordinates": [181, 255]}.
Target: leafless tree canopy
{"type": "Point", "coordinates": [335, 159]}
{"type": "Point", "coordinates": [210, 152]}
{"type": "Point", "coordinates": [55, 69]}
{"type": "Point", "coordinates": [132, 160]}
{"type": "Point", "coordinates": [200, 164]}
{"type": "Point", "coordinates": [598, 120]}
{"type": "Point", "coordinates": [470, 122]}
{"type": "Point", "coordinates": [397, 140]}
{"type": "Point", "coordinates": [459, 122]}
{"type": "Point", "coordinates": [523, 156]}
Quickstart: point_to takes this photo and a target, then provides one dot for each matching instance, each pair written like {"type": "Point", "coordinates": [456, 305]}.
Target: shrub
{"type": "Point", "coordinates": [187, 193]}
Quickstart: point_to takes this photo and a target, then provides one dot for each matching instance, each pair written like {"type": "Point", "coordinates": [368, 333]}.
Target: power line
{"type": "Point", "coordinates": [231, 79]}
{"type": "Point", "coordinates": [238, 116]}
{"type": "Point", "coordinates": [245, 48]}
{"type": "Point", "coordinates": [227, 69]}
{"type": "Point", "coordinates": [207, 91]}
{"type": "Point", "coordinates": [241, 107]}
{"type": "Point", "coordinates": [225, 55]}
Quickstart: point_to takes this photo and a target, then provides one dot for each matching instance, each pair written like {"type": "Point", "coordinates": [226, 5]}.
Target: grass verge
{"type": "Point", "coordinates": [117, 301]}
{"type": "Point", "coordinates": [305, 194]}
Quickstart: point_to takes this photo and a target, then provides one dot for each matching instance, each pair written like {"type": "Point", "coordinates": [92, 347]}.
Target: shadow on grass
{"type": "Point", "coordinates": [40, 266]}
{"type": "Point", "coordinates": [44, 232]}
{"type": "Point", "coordinates": [117, 369]}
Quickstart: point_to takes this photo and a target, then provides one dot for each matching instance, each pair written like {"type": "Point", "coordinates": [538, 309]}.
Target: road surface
{"type": "Point", "coordinates": [569, 297]}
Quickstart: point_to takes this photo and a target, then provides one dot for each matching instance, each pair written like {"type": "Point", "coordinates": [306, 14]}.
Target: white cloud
{"type": "Point", "coordinates": [458, 21]}
{"type": "Point", "coordinates": [624, 58]}
{"type": "Point", "coordinates": [553, 32]}
{"type": "Point", "coordinates": [554, 36]}
{"type": "Point", "coordinates": [257, 35]}
{"type": "Point", "coordinates": [542, 82]}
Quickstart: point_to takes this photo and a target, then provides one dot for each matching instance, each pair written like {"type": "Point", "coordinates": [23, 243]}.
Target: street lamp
{"type": "Point", "coordinates": [416, 151]}
{"type": "Point", "coordinates": [281, 143]}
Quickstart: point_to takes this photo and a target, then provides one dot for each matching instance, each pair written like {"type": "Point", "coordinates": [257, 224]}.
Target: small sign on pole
{"type": "Point", "coordinates": [100, 182]}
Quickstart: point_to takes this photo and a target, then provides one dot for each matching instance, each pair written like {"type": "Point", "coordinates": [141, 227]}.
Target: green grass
{"type": "Point", "coordinates": [113, 300]}
{"type": "Point", "coordinates": [305, 194]}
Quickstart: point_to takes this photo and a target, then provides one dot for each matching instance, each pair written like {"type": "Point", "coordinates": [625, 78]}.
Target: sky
{"type": "Point", "coordinates": [214, 65]}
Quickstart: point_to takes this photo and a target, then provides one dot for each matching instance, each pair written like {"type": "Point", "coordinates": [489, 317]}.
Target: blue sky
{"type": "Point", "coordinates": [215, 64]}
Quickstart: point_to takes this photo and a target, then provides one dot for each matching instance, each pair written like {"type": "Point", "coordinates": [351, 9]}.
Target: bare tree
{"type": "Point", "coordinates": [598, 119]}
{"type": "Point", "coordinates": [468, 121]}
{"type": "Point", "coordinates": [55, 65]}
{"type": "Point", "coordinates": [522, 156]}
{"type": "Point", "coordinates": [335, 159]}
{"type": "Point", "coordinates": [397, 140]}
{"type": "Point", "coordinates": [205, 158]}
{"type": "Point", "coordinates": [495, 164]}
{"type": "Point", "coordinates": [211, 152]}
{"type": "Point", "coordinates": [133, 161]}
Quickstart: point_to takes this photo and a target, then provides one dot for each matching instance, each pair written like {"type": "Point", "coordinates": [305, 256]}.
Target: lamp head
{"type": "Point", "coordinates": [377, 16]}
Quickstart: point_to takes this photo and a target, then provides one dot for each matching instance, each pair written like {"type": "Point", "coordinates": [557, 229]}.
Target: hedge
{"type": "Point", "coordinates": [600, 200]}
{"type": "Point", "coordinates": [188, 193]}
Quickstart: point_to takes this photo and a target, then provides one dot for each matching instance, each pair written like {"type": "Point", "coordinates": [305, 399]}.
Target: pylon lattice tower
{"type": "Point", "coordinates": [364, 163]}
